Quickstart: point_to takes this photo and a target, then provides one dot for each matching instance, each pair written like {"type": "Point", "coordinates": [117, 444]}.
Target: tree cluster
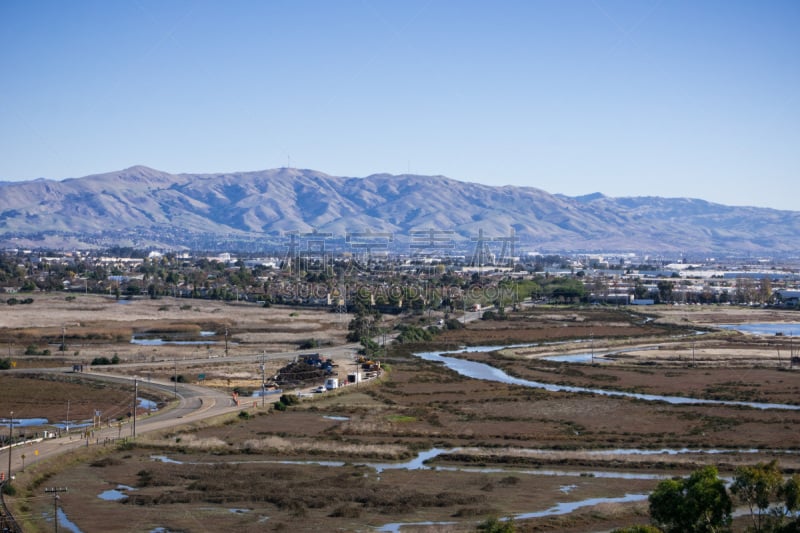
{"type": "Point", "coordinates": [702, 503]}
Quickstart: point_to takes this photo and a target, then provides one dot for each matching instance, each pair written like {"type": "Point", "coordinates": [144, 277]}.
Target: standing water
{"type": "Point", "coordinates": [476, 370]}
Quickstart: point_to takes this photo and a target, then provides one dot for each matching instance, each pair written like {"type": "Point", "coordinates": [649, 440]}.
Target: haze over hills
{"type": "Point", "coordinates": [140, 206]}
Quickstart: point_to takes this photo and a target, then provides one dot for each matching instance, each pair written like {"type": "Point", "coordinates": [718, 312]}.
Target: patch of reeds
{"type": "Point", "coordinates": [281, 445]}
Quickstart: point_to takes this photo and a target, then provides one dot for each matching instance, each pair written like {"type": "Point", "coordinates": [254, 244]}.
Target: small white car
{"type": "Point", "coordinates": [321, 388]}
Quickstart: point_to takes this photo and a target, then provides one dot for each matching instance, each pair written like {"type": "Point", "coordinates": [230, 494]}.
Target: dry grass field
{"type": "Point", "coordinates": [334, 462]}
{"type": "Point", "coordinates": [96, 326]}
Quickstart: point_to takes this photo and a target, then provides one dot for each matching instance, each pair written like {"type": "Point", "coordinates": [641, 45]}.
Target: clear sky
{"type": "Point", "coordinates": [629, 98]}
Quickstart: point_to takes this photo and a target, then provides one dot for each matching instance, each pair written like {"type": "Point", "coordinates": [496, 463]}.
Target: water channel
{"type": "Point", "coordinates": [476, 370]}
{"type": "Point", "coordinates": [483, 371]}
{"type": "Point", "coordinates": [420, 462]}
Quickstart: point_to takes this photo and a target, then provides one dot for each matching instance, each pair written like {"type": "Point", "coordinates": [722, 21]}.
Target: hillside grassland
{"type": "Point", "coordinates": [166, 211]}
{"type": "Point", "coordinates": [331, 462]}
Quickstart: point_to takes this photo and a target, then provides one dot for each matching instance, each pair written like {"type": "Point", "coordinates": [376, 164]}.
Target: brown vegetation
{"type": "Point", "coordinates": [508, 449]}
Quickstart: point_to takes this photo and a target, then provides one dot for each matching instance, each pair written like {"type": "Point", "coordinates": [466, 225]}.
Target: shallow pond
{"type": "Point", "coordinates": [765, 328]}
{"type": "Point", "coordinates": [112, 495]}
{"type": "Point", "coordinates": [65, 523]}
{"type": "Point", "coordinates": [24, 422]}
{"type": "Point", "coordinates": [180, 339]}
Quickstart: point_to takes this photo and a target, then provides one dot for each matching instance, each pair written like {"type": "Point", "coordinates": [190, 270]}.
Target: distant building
{"type": "Point", "coordinates": [790, 298]}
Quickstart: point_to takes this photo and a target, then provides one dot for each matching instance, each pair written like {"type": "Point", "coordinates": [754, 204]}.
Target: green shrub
{"type": "Point", "coordinates": [411, 333]}
{"type": "Point", "coordinates": [289, 399]}
{"type": "Point", "coordinates": [308, 344]}
{"type": "Point", "coordinates": [453, 323]}
{"type": "Point", "coordinates": [493, 525]}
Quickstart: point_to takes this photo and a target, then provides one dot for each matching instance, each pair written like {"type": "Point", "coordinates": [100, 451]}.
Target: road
{"type": "Point", "coordinates": [194, 403]}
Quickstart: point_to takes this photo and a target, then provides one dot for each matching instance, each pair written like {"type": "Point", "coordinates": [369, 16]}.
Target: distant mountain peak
{"type": "Point", "coordinates": [590, 197]}
{"type": "Point", "coordinates": [145, 206]}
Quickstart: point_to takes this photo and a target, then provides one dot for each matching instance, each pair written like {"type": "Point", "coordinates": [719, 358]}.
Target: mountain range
{"type": "Point", "coordinates": [143, 207]}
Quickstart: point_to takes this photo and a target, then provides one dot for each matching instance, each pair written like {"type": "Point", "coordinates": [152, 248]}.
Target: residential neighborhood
{"type": "Point", "coordinates": [396, 282]}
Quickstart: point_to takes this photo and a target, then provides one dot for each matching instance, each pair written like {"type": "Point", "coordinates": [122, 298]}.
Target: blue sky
{"type": "Point", "coordinates": [629, 98]}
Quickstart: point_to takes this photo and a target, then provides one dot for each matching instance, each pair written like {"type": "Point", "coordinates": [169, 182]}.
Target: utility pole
{"type": "Point", "coordinates": [264, 379]}
{"type": "Point", "coordinates": [135, 396]}
{"type": "Point", "coordinates": [226, 341]}
{"type": "Point", "coordinates": [175, 379]}
{"type": "Point", "coordinates": [10, 434]}
{"type": "Point", "coordinates": [55, 491]}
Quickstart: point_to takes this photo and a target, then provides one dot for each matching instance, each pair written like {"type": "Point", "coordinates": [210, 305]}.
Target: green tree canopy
{"type": "Point", "coordinates": [697, 504]}
{"type": "Point", "coordinates": [757, 487]}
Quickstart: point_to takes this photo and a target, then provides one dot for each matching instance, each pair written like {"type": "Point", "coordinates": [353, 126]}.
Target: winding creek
{"type": "Point", "coordinates": [421, 462]}
{"type": "Point", "coordinates": [476, 370]}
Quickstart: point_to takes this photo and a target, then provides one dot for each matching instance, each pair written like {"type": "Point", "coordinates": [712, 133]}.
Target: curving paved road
{"type": "Point", "coordinates": [194, 403]}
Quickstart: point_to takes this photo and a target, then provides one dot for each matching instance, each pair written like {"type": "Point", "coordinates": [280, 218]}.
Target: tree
{"type": "Point", "coordinates": [665, 291]}
{"type": "Point", "coordinates": [765, 290]}
{"type": "Point", "coordinates": [697, 504]}
{"type": "Point", "coordinates": [566, 290]}
{"type": "Point", "coordinates": [369, 348]}
{"type": "Point", "coordinates": [640, 291]}
{"type": "Point", "coordinates": [757, 486]}
{"type": "Point", "coordinates": [790, 492]}
{"type": "Point", "coordinates": [363, 325]}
